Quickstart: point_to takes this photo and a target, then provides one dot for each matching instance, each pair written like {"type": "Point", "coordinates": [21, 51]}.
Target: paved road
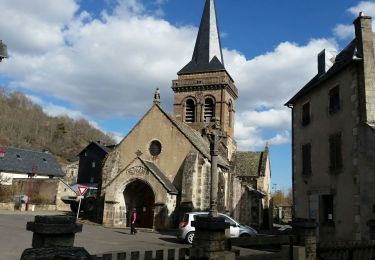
{"type": "Point", "coordinates": [96, 239]}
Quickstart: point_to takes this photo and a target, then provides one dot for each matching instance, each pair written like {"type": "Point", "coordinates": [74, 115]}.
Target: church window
{"type": "Point", "coordinates": [190, 111]}
{"type": "Point", "coordinates": [209, 110]}
{"type": "Point", "coordinates": [155, 148]}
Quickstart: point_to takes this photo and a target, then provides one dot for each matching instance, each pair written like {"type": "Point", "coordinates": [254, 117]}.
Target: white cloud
{"type": "Point", "coordinates": [251, 125]}
{"type": "Point", "coordinates": [364, 6]}
{"type": "Point", "coordinates": [343, 31]}
{"type": "Point", "coordinates": [271, 79]}
{"type": "Point", "coordinates": [34, 26]}
{"type": "Point", "coordinates": [110, 66]}
{"type": "Point", "coordinates": [117, 136]}
{"type": "Point", "coordinates": [251, 138]}
{"type": "Point", "coordinates": [346, 31]}
{"type": "Point", "coordinates": [272, 118]}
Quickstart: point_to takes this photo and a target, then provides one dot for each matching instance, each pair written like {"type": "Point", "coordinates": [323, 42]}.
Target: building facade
{"type": "Point", "coordinates": [162, 167]}
{"type": "Point", "coordinates": [91, 160]}
{"type": "Point", "coordinates": [333, 119]}
{"type": "Point", "coordinates": [16, 163]}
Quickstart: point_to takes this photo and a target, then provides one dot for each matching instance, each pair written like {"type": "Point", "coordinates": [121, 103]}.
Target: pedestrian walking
{"type": "Point", "coordinates": [133, 219]}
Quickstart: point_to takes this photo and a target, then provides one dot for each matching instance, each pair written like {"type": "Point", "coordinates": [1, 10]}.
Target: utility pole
{"type": "Point", "coordinates": [3, 51]}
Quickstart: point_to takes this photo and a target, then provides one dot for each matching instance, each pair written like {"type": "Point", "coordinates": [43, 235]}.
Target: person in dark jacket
{"type": "Point", "coordinates": [133, 219]}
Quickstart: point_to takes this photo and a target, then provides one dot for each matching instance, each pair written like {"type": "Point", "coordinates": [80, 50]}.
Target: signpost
{"type": "Point", "coordinates": [81, 191]}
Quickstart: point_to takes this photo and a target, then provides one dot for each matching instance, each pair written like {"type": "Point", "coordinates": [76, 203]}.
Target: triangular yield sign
{"type": "Point", "coordinates": [82, 190]}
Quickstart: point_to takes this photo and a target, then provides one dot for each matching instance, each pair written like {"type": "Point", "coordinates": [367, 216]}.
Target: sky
{"type": "Point", "coordinates": [103, 59]}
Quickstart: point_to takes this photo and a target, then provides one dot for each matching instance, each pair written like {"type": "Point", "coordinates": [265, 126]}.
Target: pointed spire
{"type": "Point", "coordinates": [207, 54]}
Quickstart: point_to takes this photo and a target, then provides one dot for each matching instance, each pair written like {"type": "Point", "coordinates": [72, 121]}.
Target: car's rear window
{"type": "Point", "coordinates": [200, 215]}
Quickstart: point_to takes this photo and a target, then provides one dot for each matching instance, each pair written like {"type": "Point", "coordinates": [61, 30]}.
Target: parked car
{"type": "Point", "coordinates": [186, 231]}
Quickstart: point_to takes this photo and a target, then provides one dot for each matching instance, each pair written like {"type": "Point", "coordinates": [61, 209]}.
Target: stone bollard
{"type": "Point", "coordinates": [305, 229]}
{"type": "Point", "coordinates": [209, 239]}
{"type": "Point", "coordinates": [53, 238]}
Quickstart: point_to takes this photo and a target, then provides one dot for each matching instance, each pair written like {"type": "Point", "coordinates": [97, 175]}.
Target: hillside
{"type": "Point", "coordinates": [23, 124]}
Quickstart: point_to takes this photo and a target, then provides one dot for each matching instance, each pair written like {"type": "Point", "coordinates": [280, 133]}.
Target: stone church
{"type": "Point", "coordinates": [162, 167]}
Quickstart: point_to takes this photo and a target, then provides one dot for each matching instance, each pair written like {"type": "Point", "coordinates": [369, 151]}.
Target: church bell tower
{"type": "Point", "coordinates": [204, 89]}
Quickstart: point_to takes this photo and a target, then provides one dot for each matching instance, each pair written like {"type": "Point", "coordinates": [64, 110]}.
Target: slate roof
{"type": "Point", "coordinates": [250, 164]}
{"type": "Point", "coordinates": [160, 176]}
{"type": "Point", "coordinates": [346, 57]}
{"type": "Point", "coordinates": [15, 160]}
{"type": "Point", "coordinates": [105, 148]}
{"type": "Point", "coordinates": [201, 144]}
{"type": "Point", "coordinates": [207, 54]}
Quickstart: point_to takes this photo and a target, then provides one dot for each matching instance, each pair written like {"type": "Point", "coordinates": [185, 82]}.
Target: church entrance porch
{"type": "Point", "coordinates": [138, 194]}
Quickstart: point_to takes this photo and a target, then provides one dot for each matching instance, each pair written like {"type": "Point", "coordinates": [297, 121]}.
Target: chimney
{"type": "Point", "coordinates": [366, 76]}
{"type": "Point", "coordinates": [326, 59]}
{"type": "Point", "coordinates": [364, 36]}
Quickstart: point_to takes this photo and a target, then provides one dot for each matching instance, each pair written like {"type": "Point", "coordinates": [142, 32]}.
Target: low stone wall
{"type": "Point", "coordinates": [43, 207]}
{"type": "Point", "coordinates": [7, 206]}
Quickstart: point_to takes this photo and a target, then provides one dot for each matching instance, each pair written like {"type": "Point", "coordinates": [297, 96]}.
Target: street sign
{"type": "Point", "coordinates": [82, 190]}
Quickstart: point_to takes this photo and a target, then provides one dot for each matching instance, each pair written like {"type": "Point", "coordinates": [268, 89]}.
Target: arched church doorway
{"type": "Point", "coordinates": [138, 194]}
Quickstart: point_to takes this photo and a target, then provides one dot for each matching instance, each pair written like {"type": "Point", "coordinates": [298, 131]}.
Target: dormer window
{"type": "Point", "coordinates": [18, 156]}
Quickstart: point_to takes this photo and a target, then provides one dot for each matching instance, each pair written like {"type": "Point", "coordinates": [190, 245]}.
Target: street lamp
{"type": "Point", "coordinates": [3, 51]}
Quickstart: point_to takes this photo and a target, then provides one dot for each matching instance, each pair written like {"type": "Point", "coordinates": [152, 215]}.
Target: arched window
{"type": "Point", "coordinates": [190, 111]}
{"type": "Point", "coordinates": [209, 110]}
{"type": "Point", "coordinates": [230, 109]}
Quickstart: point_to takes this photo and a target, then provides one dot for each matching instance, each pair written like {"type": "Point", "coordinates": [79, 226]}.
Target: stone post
{"type": "Point", "coordinates": [209, 238]}
{"type": "Point", "coordinates": [53, 238]}
{"type": "Point", "coordinates": [214, 135]}
{"type": "Point", "coordinates": [305, 229]}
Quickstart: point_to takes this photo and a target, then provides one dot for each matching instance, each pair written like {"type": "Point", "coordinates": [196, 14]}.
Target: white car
{"type": "Point", "coordinates": [186, 231]}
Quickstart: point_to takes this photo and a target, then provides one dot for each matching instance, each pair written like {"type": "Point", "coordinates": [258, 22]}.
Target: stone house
{"type": "Point", "coordinates": [23, 171]}
{"type": "Point", "coordinates": [251, 187]}
{"type": "Point", "coordinates": [71, 172]}
{"type": "Point", "coordinates": [91, 160]}
{"type": "Point", "coordinates": [333, 133]}
{"type": "Point", "coordinates": [18, 163]}
{"type": "Point", "coordinates": [162, 167]}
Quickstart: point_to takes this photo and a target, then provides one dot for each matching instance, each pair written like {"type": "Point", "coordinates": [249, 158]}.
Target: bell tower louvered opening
{"type": "Point", "coordinates": [209, 110]}
{"type": "Point", "coordinates": [190, 111]}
